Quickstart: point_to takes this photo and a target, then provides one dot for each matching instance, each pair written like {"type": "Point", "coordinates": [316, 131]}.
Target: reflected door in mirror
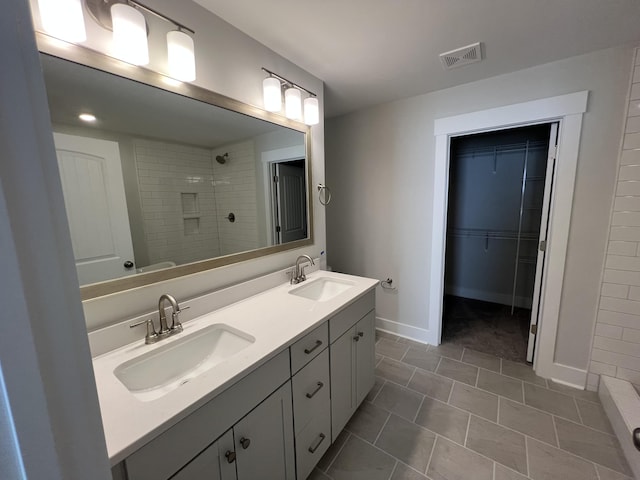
{"type": "Point", "coordinates": [290, 191]}
{"type": "Point", "coordinates": [91, 175]}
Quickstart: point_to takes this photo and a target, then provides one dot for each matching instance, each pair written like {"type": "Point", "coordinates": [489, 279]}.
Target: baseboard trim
{"type": "Point", "coordinates": [406, 331]}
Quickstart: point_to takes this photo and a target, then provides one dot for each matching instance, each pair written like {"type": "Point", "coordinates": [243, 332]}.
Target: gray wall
{"type": "Point", "coordinates": [380, 167]}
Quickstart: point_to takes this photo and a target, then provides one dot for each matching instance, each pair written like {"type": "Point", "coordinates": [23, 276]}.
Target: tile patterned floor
{"type": "Point", "coordinates": [451, 413]}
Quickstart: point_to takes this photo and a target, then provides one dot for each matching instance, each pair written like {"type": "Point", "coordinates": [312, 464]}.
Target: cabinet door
{"type": "Point", "coordinates": [214, 463]}
{"type": "Point", "coordinates": [264, 439]}
{"type": "Point", "coordinates": [343, 385]}
{"type": "Point", "coordinates": [365, 356]}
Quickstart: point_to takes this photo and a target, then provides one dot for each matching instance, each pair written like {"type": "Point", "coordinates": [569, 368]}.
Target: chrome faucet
{"type": "Point", "coordinates": [165, 331]}
{"type": "Point", "coordinates": [298, 274]}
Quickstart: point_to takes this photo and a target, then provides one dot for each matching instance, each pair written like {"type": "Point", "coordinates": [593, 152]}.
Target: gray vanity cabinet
{"type": "Point", "coordinates": [212, 464]}
{"type": "Point", "coordinates": [264, 439]}
{"type": "Point", "coordinates": [352, 360]}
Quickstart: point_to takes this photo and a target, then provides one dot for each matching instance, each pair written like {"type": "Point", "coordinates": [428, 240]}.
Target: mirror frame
{"type": "Point", "coordinates": [93, 59]}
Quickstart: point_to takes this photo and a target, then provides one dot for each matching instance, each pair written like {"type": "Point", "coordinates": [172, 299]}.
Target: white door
{"type": "Point", "coordinates": [93, 188]}
{"type": "Point", "coordinates": [536, 305]}
{"type": "Point", "coordinates": [290, 190]}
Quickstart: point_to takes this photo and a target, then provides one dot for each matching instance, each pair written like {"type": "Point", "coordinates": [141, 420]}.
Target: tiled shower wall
{"type": "Point", "coordinates": [235, 187]}
{"type": "Point", "coordinates": [177, 200]}
{"type": "Point", "coordinates": [616, 344]}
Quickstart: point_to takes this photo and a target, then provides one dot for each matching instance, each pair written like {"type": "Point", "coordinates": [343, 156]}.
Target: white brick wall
{"type": "Point", "coordinates": [235, 191]}
{"type": "Point", "coordinates": [616, 344]}
{"type": "Point", "coordinates": [165, 171]}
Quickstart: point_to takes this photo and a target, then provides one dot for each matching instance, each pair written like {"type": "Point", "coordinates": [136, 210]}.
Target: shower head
{"type": "Point", "coordinates": [222, 159]}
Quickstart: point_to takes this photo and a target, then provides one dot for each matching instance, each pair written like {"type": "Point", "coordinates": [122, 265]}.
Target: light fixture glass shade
{"type": "Point", "coordinates": [311, 111]}
{"type": "Point", "coordinates": [63, 19]}
{"type": "Point", "coordinates": [272, 94]}
{"type": "Point", "coordinates": [129, 34]}
{"type": "Point", "coordinates": [182, 59]}
{"type": "Point", "coordinates": [293, 103]}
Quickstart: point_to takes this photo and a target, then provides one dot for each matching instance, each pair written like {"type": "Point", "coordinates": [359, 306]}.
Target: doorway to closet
{"type": "Point", "coordinates": [498, 206]}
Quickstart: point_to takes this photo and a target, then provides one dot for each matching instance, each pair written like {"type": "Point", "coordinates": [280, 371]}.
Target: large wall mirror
{"type": "Point", "coordinates": [168, 181]}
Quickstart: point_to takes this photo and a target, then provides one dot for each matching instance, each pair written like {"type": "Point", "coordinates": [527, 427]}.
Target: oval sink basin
{"type": "Point", "coordinates": [322, 289]}
{"type": "Point", "coordinates": [156, 373]}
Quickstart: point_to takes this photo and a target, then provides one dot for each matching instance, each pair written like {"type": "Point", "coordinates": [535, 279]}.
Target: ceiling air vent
{"type": "Point", "coordinates": [461, 56]}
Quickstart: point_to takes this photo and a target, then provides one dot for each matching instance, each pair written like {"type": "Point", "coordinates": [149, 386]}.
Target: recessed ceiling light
{"type": "Point", "coordinates": [87, 117]}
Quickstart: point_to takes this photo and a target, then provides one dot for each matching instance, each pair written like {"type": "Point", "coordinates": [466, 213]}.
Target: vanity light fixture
{"type": "Point", "coordinates": [129, 34]}
{"type": "Point", "coordinates": [63, 19]}
{"type": "Point", "coordinates": [127, 21]}
{"type": "Point", "coordinates": [272, 97]}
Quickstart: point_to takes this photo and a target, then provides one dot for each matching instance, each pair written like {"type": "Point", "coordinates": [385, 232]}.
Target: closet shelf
{"type": "Point", "coordinates": [492, 234]}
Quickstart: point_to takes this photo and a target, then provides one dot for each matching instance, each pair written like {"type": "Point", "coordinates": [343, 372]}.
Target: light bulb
{"type": "Point", "coordinates": [272, 94]}
{"type": "Point", "coordinates": [311, 111]}
{"type": "Point", "coordinates": [292, 103]}
{"type": "Point", "coordinates": [129, 34]}
{"type": "Point", "coordinates": [63, 19]}
{"type": "Point", "coordinates": [182, 60]}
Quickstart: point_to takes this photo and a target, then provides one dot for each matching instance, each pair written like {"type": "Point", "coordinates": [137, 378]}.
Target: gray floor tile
{"type": "Point", "coordinates": [360, 461]}
{"type": "Point", "coordinates": [422, 359]}
{"type": "Point", "coordinates": [402, 472]}
{"type": "Point", "coordinates": [606, 474]}
{"type": "Point", "coordinates": [592, 415]}
{"type": "Point", "coordinates": [550, 401]}
{"type": "Point", "coordinates": [581, 394]}
{"type": "Point", "coordinates": [549, 463]}
{"type": "Point", "coordinates": [501, 385]}
{"type": "Point", "coordinates": [521, 371]}
{"type": "Point", "coordinates": [527, 420]}
{"type": "Point", "coordinates": [331, 453]}
{"type": "Point", "coordinates": [458, 371]}
{"type": "Point", "coordinates": [479, 359]}
{"type": "Point", "coordinates": [432, 385]}
{"type": "Point", "coordinates": [496, 442]}
{"type": "Point", "coordinates": [382, 334]}
{"type": "Point", "coordinates": [391, 349]}
{"type": "Point", "coordinates": [375, 389]}
{"type": "Point", "coordinates": [503, 473]}
{"type": "Point", "coordinates": [475, 401]}
{"type": "Point", "coordinates": [592, 445]}
{"type": "Point", "coordinates": [399, 400]}
{"type": "Point", "coordinates": [395, 371]}
{"type": "Point", "coordinates": [407, 442]}
{"type": "Point", "coordinates": [453, 462]}
{"type": "Point", "coordinates": [450, 350]}
{"type": "Point", "coordinates": [378, 358]}
{"type": "Point", "coordinates": [443, 419]}
{"type": "Point", "coordinates": [367, 421]}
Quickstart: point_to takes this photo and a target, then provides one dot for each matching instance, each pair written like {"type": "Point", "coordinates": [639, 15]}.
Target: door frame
{"type": "Point", "coordinates": [568, 111]}
{"type": "Point", "coordinates": [269, 157]}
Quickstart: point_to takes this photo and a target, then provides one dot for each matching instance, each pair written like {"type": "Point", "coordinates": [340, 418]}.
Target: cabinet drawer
{"type": "Point", "coordinates": [347, 318]}
{"type": "Point", "coordinates": [312, 442]}
{"type": "Point", "coordinates": [308, 347]}
{"type": "Point", "coordinates": [311, 387]}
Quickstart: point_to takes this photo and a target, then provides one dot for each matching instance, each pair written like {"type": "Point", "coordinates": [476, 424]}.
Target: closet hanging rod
{"type": "Point", "coordinates": [502, 149]}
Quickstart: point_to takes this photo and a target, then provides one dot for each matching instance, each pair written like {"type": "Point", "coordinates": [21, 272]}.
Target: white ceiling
{"type": "Point", "coordinates": [373, 51]}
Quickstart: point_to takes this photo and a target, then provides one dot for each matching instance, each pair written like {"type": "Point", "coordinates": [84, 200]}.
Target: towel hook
{"type": "Point", "coordinates": [327, 194]}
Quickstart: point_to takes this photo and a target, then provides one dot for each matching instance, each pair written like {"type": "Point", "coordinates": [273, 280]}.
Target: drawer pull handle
{"type": "Point", "coordinates": [231, 456]}
{"type": "Point", "coordinates": [319, 385]}
{"type": "Point", "coordinates": [245, 442]}
{"type": "Point", "coordinates": [310, 350]}
{"type": "Point", "coordinates": [313, 448]}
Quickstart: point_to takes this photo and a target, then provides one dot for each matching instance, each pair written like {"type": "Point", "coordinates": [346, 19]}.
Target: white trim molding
{"type": "Point", "coordinates": [567, 110]}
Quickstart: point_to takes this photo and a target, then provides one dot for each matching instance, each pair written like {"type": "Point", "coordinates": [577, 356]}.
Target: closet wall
{"type": "Point", "coordinates": [495, 206]}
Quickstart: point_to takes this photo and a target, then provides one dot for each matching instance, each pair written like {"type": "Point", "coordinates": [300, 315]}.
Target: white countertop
{"type": "Point", "coordinates": [274, 317]}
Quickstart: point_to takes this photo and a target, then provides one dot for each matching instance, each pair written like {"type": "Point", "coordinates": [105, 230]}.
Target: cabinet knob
{"type": "Point", "coordinates": [245, 442]}
{"type": "Point", "coordinates": [356, 338]}
{"type": "Point", "coordinates": [361, 334]}
{"type": "Point", "coordinates": [231, 456]}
